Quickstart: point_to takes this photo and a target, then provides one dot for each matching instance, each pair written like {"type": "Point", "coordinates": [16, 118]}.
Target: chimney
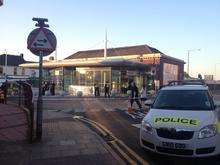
{"type": "Point", "coordinates": [22, 55]}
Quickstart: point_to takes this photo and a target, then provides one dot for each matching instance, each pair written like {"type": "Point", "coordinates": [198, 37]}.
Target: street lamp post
{"type": "Point", "coordinates": [216, 71]}
{"type": "Point", "coordinates": [188, 58]}
{"type": "Point", "coordinates": [6, 64]}
{"type": "Point", "coordinates": [215, 75]}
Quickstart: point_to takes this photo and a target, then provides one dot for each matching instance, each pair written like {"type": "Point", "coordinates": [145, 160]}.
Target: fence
{"type": "Point", "coordinates": [20, 93]}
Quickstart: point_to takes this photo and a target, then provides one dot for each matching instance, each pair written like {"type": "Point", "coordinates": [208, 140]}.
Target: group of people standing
{"type": "Point", "coordinates": [106, 90]}
{"type": "Point", "coordinates": [48, 86]}
{"type": "Point", "coordinates": [132, 89]}
{"type": "Point", "coordinates": [134, 95]}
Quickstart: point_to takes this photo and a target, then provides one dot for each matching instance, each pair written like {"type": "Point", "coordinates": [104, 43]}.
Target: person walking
{"type": "Point", "coordinates": [2, 99]}
{"type": "Point", "coordinates": [143, 94]}
{"type": "Point", "coordinates": [107, 90]}
{"type": "Point", "coordinates": [4, 88]}
{"type": "Point", "coordinates": [52, 89]}
{"type": "Point", "coordinates": [97, 92]}
{"type": "Point", "coordinates": [134, 95]}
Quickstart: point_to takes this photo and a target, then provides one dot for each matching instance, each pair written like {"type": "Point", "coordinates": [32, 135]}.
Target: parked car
{"type": "Point", "coordinates": [183, 121]}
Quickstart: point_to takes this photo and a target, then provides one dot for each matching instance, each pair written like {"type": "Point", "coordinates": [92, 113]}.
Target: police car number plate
{"type": "Point", "coordinates": [174, 145]}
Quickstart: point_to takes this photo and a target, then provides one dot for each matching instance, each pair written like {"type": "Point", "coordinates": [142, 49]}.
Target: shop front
{"type": "Point", "coordinates": [116, 75]}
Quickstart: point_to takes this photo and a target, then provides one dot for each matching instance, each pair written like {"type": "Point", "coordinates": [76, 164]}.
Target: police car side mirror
{"type": "Point", "coordinates": [148, 103]}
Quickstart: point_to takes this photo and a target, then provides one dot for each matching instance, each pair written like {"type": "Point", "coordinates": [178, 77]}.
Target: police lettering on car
{"type": "Point", "coordinates": [176, 120]}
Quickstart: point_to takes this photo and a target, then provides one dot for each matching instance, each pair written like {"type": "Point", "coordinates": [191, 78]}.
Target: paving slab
{"type": "Point", "coordinates": [64, 141]}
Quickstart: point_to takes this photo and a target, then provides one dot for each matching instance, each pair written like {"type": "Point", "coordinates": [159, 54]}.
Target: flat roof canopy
{"type": "Point", "coordinates": [89, 63]}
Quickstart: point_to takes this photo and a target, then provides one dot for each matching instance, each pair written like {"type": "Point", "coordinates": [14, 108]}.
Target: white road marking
{"type": "Point", "coordinates": [136, 125]}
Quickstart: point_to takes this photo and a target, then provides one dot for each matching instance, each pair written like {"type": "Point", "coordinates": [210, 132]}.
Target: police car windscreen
{"type": "Point", "coordinates": [183, 100]}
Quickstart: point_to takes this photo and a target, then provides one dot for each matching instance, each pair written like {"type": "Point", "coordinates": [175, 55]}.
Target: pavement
{"type": "Point", "coordinates": [64, 141]}
{"type": "Point", "coordinates": [13, 123]}
{"type": "Point", "coordinates": [112, 114]}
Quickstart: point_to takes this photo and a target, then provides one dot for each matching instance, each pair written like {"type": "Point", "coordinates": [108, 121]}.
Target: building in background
{"type": "Point", "coordinates": [143, 64]}
{"type": "Point", "coordinates": [12, 69]}
{"type": "Point", "coordinates": [209, 77]}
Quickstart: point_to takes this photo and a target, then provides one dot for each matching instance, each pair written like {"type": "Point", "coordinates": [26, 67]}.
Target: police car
{"type": "Point", "coordinates": [183, 121]}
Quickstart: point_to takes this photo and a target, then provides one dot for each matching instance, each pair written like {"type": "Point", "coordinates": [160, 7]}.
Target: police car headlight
{"type": "Point", "coordinates": [207, 131]}
{"type": "Point", "coordinates": [146, 126]}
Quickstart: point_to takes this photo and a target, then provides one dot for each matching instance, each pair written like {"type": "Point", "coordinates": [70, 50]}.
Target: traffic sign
{"type": "Point", "coordinates": [41, 40]}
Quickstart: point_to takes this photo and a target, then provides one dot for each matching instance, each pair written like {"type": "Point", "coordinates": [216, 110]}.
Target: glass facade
{"type": "Point", "coordinates": [85, 78]}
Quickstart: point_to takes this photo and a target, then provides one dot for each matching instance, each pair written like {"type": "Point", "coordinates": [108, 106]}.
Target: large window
{"type": "Point", "coordinates": [91, 76]}
{"type": "Point", "coordinates": [23, 71]}
{"type": "Point", "coordinates": [170, 73]}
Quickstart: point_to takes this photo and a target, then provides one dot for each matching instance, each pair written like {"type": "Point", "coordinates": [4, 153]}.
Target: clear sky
{"type": "Point", "coordinates": [171, 26]}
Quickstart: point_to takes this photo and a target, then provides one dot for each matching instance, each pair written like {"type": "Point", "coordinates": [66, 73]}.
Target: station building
{"type": "Point", "coordinates": [82, 70]}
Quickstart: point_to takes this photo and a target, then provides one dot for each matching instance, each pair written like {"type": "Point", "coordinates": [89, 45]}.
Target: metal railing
{"type": "Point", "coordinates": [19, 93]}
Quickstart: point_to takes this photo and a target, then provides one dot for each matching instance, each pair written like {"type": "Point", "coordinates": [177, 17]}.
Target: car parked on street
{"type": "Point", "coordinates": [183, 121]}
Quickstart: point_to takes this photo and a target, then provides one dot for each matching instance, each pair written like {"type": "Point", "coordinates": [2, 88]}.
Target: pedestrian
{"type": "Point", "coordinates": [2, 99]}
{"type": "Point", "coordinates": [52, 88]}
{"type": "Point", "coordinates": [134, 95]}
{"type": "Point", "coordinates": [4, 88]}
{"type": "Point", "coordinates": [143, 94]}
{"type": "Point", "coordinates": [43, 88]}
{"type": "Point", "coordinates": [107, 90]}
{"type": "Point", "coordinates": [96, 89]}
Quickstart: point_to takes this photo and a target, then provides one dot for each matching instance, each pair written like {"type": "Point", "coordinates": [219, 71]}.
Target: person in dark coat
{"type": "Point", "coordinates": [4, 88]}
{"type": "Point", "coordinates": [43, 88]}
{"type": "Point", "coordinates": [52, 88]}
{"type": "Point", "coordinates": [2, 98]}
{"type": "Point", "coordinates": [134, 95]}
{"type": "Point", "coordinates": [107, 90]}
{"type": "Point", "coordinates": [97, 92]}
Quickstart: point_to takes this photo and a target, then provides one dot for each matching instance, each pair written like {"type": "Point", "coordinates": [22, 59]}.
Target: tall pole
{"type": "Point", "coordinates": [56, 54]}
{"type": "Point", "coordinates": [105, 54]}
{"type": "Point", "coordinates": [188, 58]}
{"type": "Point", "coordinates": [106, 44]}
{"type": "Point", "coordinates": [6, 64]}
{"type": "Point", "coordinates": [39, 99]}
{"type": "Point", "coordinates": [188, 63]}
{"type": "Point", "coordinates": [216, 70]}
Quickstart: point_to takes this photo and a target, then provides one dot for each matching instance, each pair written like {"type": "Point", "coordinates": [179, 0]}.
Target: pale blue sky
{"type": "Point", "coordinates": [172, 26]}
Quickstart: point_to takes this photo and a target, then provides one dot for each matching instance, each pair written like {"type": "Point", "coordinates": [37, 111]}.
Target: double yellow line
{"type": "Point", "coordinates": [125, 152]}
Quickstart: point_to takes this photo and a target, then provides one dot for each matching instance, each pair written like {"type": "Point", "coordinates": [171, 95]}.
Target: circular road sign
{"type": "Point", "coordinates": [41, 40]}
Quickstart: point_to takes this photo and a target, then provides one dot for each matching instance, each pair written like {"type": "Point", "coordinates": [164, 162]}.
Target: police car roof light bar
{"type": "Point", "coordinates": [187, 82]}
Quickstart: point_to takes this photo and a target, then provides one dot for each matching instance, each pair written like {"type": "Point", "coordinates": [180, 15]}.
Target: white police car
{"type": "Point", "coordinates": [182, 121]}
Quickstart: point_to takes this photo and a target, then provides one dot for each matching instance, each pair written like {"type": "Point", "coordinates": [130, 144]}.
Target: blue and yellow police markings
{"type": "Point", "coordinates": [176, 120]}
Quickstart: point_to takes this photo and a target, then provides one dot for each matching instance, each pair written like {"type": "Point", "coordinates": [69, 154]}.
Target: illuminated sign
{"type": "Point", "coordinates": [176, 120]}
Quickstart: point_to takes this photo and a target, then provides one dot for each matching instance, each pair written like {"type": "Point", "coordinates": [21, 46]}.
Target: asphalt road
{"type": "Point", "coordinates": [120, 124]}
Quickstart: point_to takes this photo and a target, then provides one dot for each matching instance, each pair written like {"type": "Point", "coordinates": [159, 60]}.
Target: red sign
{"type": "Point", "coordinates": [41, 40]}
